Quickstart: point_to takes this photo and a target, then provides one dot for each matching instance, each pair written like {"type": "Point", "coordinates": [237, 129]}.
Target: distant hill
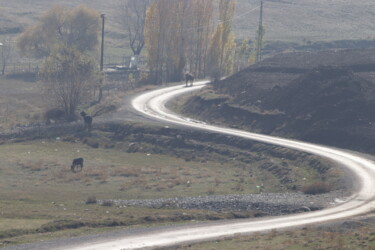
{"type": "Point", "coordinates": [300, 22]}
{"type": "Point", "coordinates": [324, 97]}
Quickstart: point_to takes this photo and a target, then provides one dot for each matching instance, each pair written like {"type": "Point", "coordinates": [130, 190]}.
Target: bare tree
{"type": "Point", "coordinates": [6, 53]}
{"type": "Point", "coordinates": [132, 15]}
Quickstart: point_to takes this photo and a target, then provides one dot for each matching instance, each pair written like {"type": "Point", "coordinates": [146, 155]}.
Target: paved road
{"type": "Point", "coordinates": [363, 201]}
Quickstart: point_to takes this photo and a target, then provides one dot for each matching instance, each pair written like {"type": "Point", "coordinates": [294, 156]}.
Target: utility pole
{"type": "Point", "coordinates": [102, 48]}
{"type": "Point", "coordinates": [101, 62]}
{"type": "Point", "coordinates": [260, 34]}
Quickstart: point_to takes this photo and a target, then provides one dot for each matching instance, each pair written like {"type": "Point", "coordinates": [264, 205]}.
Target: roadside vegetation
{"type": "Point", "coordinates": [359, 234]}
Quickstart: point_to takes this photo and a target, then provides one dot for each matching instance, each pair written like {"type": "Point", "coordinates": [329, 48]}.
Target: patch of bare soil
{"type": "Point", "coordinates": [325, 97]}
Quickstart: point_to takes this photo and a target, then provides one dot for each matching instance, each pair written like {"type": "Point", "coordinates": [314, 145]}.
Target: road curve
{"type": "Point", "coordinates": [153, 104]}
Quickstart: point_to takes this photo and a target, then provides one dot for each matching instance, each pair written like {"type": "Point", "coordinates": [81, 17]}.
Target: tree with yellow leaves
{"type": "Point", "coordinates": [222, 50]}
{"type": "Point", "coordinates": [67, 39]}
{"type": "Point", "coordinates": [177, 37]}
{"type": "Point", "coordinates": [61, 26]}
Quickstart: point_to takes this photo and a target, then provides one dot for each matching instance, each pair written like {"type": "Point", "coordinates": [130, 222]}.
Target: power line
{"type": "Point", "coordinates": [102, 45]}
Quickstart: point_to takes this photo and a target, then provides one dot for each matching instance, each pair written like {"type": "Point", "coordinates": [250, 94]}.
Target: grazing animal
{"type": "Point", "coordinates": [189, 78]}
{"type": "Point", "coordinates": [87, 120]}
{"type": "Point", "coordinates": [77, 164]}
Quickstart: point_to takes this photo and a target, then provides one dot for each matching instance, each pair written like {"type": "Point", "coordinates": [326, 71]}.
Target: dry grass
{"type": "Point", "coordinates": [332, 237]}
{"type": "Point", "coordinates": [127, 172]}
{"type": "Point", "coordinates": [20, 103]}
{"type": "Point", "coordinates": [37, 186]}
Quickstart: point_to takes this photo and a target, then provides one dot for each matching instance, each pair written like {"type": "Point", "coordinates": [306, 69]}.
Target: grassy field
{"type": "Point", "coordinates": [39, 193]}
{"type": "Point", "coordinates": [21, 102]}
{"type": "Point", "coordinates": [42, 199]}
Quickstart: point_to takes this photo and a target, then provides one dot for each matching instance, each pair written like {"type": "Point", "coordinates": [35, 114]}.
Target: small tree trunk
{"type": "Point", "coordinates": [100, 95]}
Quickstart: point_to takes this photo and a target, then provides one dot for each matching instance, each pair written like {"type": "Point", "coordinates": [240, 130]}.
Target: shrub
{"type": "Point", "coordinates": [91, 200]}
{"type": "Point", "coordinates": [317, 188]}
{"type": "Point", "coordinates": [92, 142]}
{"type": "Point", "coordinates": [108, 203]}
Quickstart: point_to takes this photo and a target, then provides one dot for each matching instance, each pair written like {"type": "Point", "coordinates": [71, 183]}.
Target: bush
{"type": "Point", "coordinates": [92, 142]}
{"type": "Point", "coordinates": [317, 188]}
{"type": "Point", "coordinates": [91, 200]}
{"type": "Point", "coordinates": [108, 203]}
{"type": "Point", "coordinates": [54, 114]}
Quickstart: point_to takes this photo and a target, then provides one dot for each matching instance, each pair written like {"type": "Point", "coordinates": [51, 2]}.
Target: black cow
{"type": "Point", "coordinates": [77, 165]}
{"type": "Point", "coordinates": [189, 78]}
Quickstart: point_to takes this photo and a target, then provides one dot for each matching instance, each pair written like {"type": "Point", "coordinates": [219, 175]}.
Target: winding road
{"type": "Point", "coordinates": [152, 104]}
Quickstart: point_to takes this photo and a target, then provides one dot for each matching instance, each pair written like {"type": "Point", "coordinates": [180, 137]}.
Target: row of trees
{"type": "Point", "coordinates": [180, 36]}
{"type": "Point", "coordinates": [185, 36]}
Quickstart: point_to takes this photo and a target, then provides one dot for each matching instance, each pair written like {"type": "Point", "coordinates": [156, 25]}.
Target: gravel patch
{"type": "Point", "coordinates": [268, 203]}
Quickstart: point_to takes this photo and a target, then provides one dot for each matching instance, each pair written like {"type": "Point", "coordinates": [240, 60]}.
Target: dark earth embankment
{"type": "Point", "coordinates": [324, 97]}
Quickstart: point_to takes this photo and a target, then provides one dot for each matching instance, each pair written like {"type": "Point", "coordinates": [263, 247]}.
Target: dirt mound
{"type": "Point", "coordinates": [326, 105]}
{"type": "Point", "coordinates": [251, 83]}
{"type": "Point", "coordinates": [291, 95]}
{"type": "Point", "coordinates": [328, 96]}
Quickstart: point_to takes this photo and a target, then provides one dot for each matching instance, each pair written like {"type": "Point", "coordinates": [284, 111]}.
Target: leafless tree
{"type": "Point", "coordinates": [132, 15]}
{"type": "Point", "coordinates": [6, 53]}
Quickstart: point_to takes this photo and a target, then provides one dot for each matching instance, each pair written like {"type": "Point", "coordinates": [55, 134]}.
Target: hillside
{"type": "Point", "coordinates": [285, 20]}
{"type": "Point", "coordinates": [290, 24]}
{"type": "Point", "coordinates": [325, 97]}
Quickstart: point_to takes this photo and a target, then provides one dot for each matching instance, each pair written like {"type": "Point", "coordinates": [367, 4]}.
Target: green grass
{"type": "Point", "coordinates": [44, 167]}
{"type": "Point", "coordinates": [47, 164]}
{"type": "Point", "coordinates": [39, 194]}
{"type": "Point", "coordinates": [38, 189]}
